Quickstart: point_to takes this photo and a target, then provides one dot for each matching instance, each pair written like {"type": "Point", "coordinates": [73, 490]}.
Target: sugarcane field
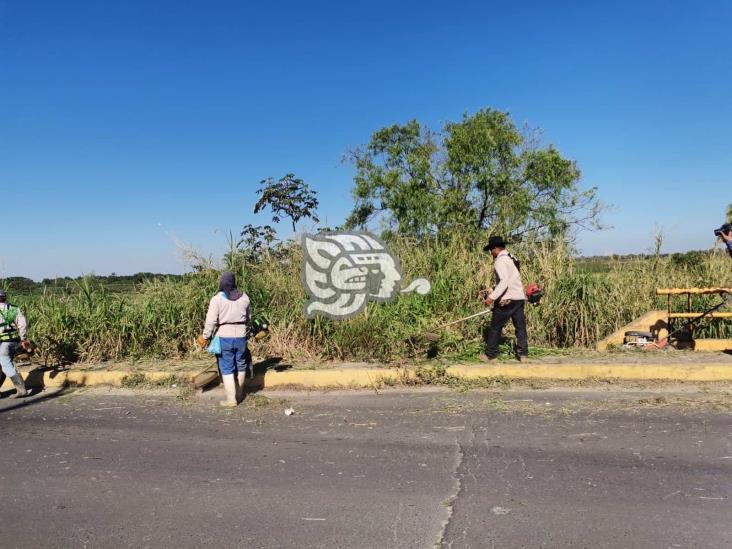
{"type": "Point", "coordinates": [404, 275]}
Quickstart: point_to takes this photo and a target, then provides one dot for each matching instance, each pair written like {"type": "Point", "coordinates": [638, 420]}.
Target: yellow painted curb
{"type": "Point", "coordinates": [81, 378]}
{"type": "Point", "coordinates": [375, 377]}
{"type": "Point", "coordinates": [347, 377]}
{"type": "Point", "coordinates": [632, 371]}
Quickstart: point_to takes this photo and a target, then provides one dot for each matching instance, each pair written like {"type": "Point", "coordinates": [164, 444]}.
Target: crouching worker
{"type": "Point", "coordinates": [228, 317]}
{"type": "Point", "coordinates": [13, 332]}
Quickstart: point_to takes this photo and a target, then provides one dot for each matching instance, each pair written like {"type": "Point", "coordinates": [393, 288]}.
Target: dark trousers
{"type": "Point", "coordinates": [501, 315]}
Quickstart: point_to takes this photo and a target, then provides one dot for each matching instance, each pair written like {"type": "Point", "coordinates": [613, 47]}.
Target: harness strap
{"type": "Point", "coordinates": [8, 330]}
{"type": "Point", "coordinates": [517, 263]}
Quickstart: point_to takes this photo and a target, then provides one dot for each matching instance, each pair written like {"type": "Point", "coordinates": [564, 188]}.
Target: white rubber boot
{"type": "Point", "coordinates": [229, 391]}
{"type": "Point", "coordinates": [20, 390]}
{"type": "Point", "coordinates": [240, 379]}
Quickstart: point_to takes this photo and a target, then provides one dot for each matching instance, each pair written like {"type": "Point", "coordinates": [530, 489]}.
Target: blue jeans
{"type": "Point", "coordinates": [7, 351]}
{"type": "Point", "coordinates": [234, 354]}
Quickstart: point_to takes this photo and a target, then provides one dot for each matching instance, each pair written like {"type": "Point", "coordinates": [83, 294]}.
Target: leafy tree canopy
{"type": "Point", "coordinates": [254, 240]}
{"type": "Point", "coordinates": [288, 197]}
{"type": "Point", "coordinates": [482, 172]}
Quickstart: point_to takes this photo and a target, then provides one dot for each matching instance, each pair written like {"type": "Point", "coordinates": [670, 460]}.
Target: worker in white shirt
{"type": "Point", "coordinates": [228, 318]}
{"type": "Point", "coordinates": [13, 335]}
{"type": "Point", "coordinates": [508, 300]}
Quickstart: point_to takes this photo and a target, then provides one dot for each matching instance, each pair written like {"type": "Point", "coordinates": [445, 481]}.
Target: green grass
{"type": "Point", "coordinates": [115, 284]}
{"type": "Point", "coordinates": [160, 317]}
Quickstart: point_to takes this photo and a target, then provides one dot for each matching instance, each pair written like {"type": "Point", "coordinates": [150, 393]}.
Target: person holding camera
{"type": "Point", "coordinates": [13, 333]}
{"type": "Point", "coordinates": [725, 233]}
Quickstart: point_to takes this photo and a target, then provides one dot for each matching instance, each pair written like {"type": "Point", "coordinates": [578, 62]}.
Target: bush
{"type": "Point", "coordinates": [161, 317]}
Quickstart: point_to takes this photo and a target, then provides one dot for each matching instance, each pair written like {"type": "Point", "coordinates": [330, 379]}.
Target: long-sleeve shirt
{"type": "Point", "coordinates": [20, 323]}
{"type": "Point", "coordinates": [232, 317]}
{"type": "Point", "coordinates": [508, 279]}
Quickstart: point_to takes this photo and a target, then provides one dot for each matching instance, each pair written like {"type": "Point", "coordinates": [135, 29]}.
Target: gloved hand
{"type": "Point", "coordinates": [26, 345]}
{"type": "Point", "coordinates": [484, 294]}
{"type": "Point", "coordinates": [202, 342]}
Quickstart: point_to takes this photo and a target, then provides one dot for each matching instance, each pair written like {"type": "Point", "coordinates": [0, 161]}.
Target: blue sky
{"type": "Point", "coordinates": [128, 126]}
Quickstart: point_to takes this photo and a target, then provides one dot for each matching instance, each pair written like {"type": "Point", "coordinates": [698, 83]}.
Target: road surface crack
{"type": "Point", "coordinates": [457, 475]}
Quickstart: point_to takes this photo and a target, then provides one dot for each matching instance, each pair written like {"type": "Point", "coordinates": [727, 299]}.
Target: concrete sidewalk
{"type": "Point", "coordinates": [366, 376]}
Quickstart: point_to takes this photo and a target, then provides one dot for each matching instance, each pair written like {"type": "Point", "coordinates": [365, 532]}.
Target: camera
{"type": "Point", "coordinates": [726, 228]}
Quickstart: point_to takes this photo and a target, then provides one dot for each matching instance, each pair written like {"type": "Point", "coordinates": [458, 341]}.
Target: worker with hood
{"type": "Point", "coordinates": [13, 333]}
{"type": "Point", "coordinates": [228, 318]}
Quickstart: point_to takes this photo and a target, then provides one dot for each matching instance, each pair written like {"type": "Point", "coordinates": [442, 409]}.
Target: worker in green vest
{"type": "Point", "coordinates": [13, 333]}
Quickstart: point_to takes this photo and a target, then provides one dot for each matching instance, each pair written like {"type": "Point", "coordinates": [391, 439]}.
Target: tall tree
{"type": "Point", "coordinates": [395, 176]}
{"type": "Point", "coordinates": [481, 172]}
{"type": "Point", "coordinates": [287, 197]}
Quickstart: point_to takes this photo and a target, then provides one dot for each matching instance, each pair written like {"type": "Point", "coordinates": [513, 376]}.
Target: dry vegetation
{"type": "Point", "coordinates": [161, 317]}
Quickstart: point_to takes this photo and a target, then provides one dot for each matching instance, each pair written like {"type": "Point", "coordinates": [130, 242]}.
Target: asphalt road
{"type": "Point", "coordinates": [398, 469]}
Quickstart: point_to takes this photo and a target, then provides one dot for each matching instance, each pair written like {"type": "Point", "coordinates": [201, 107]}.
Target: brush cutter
{"type": "Point", "coordinates": [25, 352]}
{"type": "Point", "coordinates": [663, 343]}
{"type": "Point", "coordinates": [533, 295]}
{"type": "Point", "coordinates": [257, 330]}
{"type": "Point", "coordinates": [432, 336]}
